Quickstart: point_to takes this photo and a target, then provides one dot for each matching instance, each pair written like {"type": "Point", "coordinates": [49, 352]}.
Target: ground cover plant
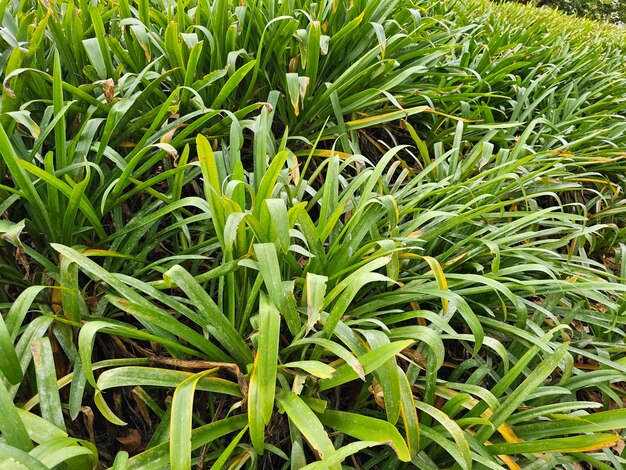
{"type": "Point", "coordinates": [601, 10]}
{"type": "Point", "coordinates": [333, 234]}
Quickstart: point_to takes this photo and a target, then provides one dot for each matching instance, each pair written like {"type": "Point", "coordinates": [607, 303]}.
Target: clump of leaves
{"type": "Point", "coordinates": [310, 234]}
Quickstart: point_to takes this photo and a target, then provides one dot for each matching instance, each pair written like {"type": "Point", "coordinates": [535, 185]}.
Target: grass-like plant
{"type": "Point", "coordinates": [311, 235]}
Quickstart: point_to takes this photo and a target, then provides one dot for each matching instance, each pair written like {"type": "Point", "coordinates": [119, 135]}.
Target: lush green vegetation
{"type": "Point", "coordinates": [311, 234]}
{"type": "Point", "coordinates": [601, 10]}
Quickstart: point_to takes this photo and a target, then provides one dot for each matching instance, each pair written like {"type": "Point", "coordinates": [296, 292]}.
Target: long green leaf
{"type": "Point", "coordinates": [216, 322]}
{"type": "Point", "coordinates": [45, 372]}
{"type": "Point", "coordinates": [308, 424]}
{"type": "Point", "coordinates": [181, 422]}
{"type": "Point", "coordinates": [366, 428]}
{"type": "Point", "coordinates": [370, 362]}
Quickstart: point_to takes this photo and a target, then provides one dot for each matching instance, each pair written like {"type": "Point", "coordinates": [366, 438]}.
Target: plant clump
{"type": "Point", "coordinates": [322, 235]}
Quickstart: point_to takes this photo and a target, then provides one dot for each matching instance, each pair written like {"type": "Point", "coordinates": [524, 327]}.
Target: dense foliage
{"type": "Point", "coordinates": [310, 234]}
{"type": "Point", "coordinates": [601, 10]}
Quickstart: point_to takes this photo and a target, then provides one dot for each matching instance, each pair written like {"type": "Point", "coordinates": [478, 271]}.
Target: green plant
{"type": "Point", "coordinates": [601, 10]}
{"type": "Point", "coordinates": [310, 234]}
